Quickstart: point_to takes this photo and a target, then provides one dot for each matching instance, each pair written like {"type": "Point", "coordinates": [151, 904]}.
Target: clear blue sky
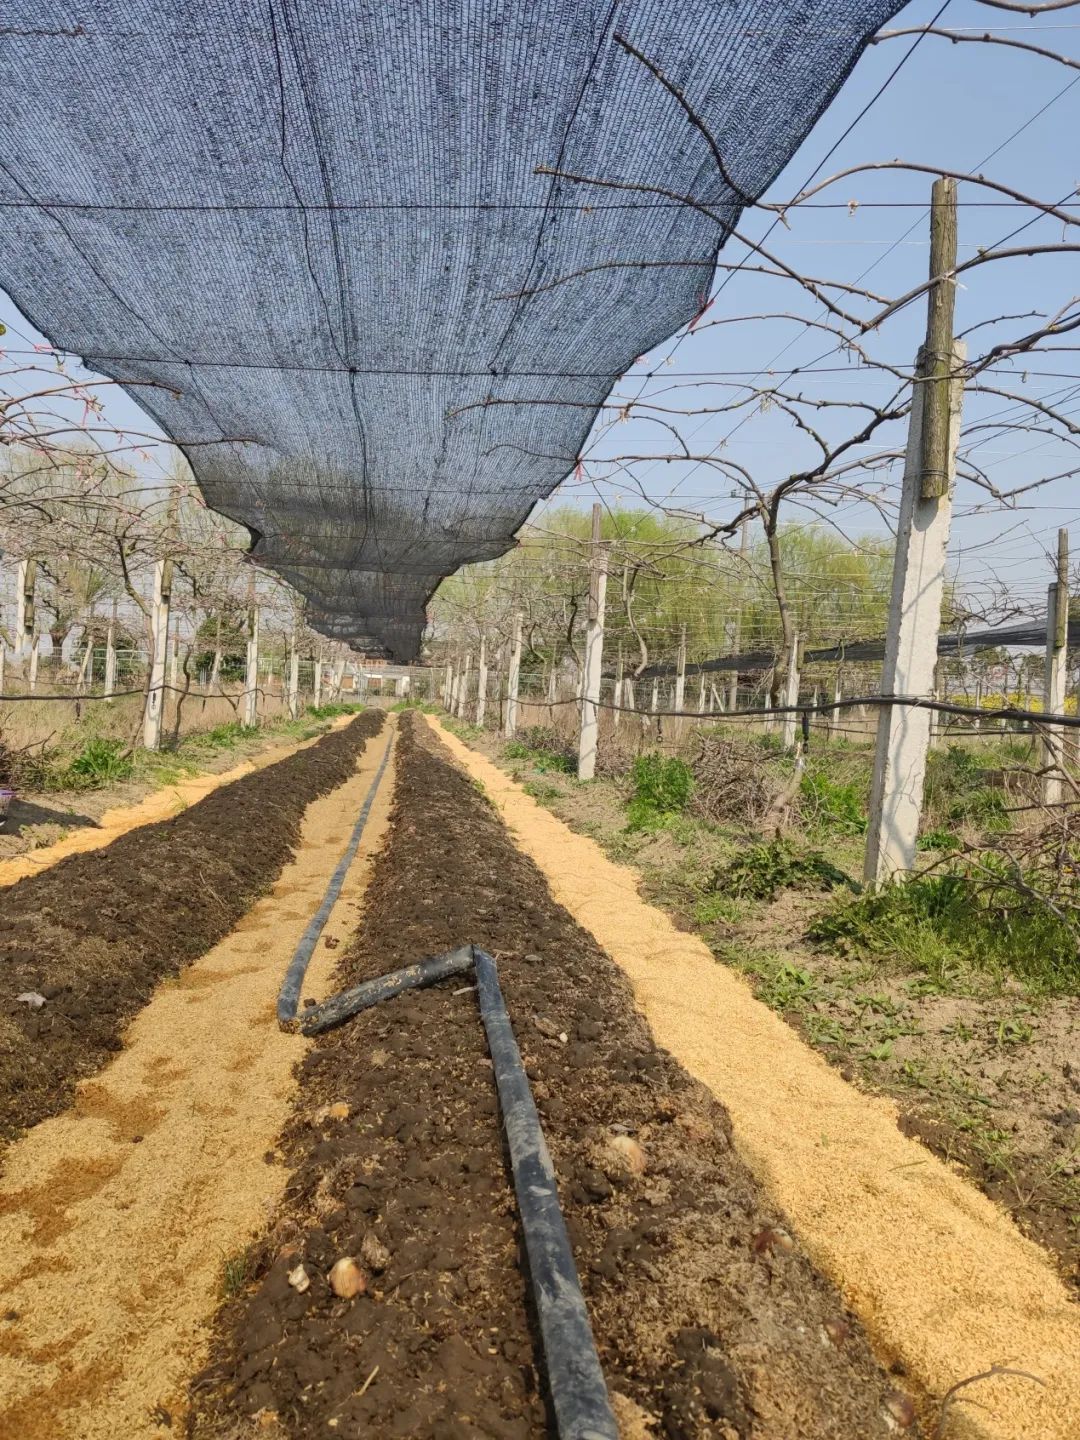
{"type": "Point", "coordinates": [950, 105]}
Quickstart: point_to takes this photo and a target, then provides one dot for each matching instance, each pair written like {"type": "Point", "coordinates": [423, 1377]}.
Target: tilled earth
{"type": "Point", "coordinates": [95, 933]}
{"type": "Point", "coordinates": [708, 1318]}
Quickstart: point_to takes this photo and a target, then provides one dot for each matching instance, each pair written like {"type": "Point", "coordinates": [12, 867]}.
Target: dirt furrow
{"type": "Point", "coordinates": [710, 1321]}
{"type": "Point", "coordinates": [122, 1219]}
{"type": "Point", "coordinates": [93, 935]}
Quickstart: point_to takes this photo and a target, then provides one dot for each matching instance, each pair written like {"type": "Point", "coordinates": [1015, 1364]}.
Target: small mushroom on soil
{"type": "Point", "coordinates": [837, 1332]}
{"type": "Point", "coordinates": [346, 1279]}
{"type": "Point", "coordinates": [628, 1153]}
{"type": "Point", "coordinates": [899, 1408]}
{"type": "Point", "coordinates": [299, 1279]}
{"type": "Point", "coordinates": [634, 1423]}
{"type": "Point", "coordinates": [30, 998]}
{"type": "Point", "coordinates": [374, 1253]}
{"type": "Point", "coordinates": [338, 1111]}
{"type": "Point", "coordinates": [771, 1238]}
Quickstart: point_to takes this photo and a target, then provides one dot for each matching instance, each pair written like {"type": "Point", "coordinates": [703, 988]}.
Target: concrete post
{"type": "Point", "coordinates": [481, 684]}
{"type": "Point", "coordinates": [680, 673]}
{"type": "Point", "coordinates": [250, 708]}
{"type": "Point", "coordinates": [1057, 636]}
{"type": "Point", "coordinates": [3, 657]}
{"type": "Point", "coordinates": [159, 634]}
{"type": "Point", "coordinates": [835, 712]}
{"type": "Point", "coordinates": [791, 697]}
{"type": "Point", "coordinates": [294, 678]}
{"type": "Point", "coordinates": [903, 735]}
{"type": "Point", "coordinates": [514, 680]}
{"type": "Point", "coordinates": [25, 583]}
{"type": "Point", "coordinates": [616, 714]}
{"type": "Point", "coordinates": [701, 695]}
{"type": "Point", "coordinates": [654, 703]}
{"type": "Point", "coordinates": [589, 732]}
{"type": "Point", "coordinates": [317, 679]}
{"type": "Point", "coordinates": [110, 655]}
{"type": "Point", "coordinates": [552, 691]}
{"type": "Point", "coordinates": [338, 677]}
{"type": "Point", "coordinates": [463, 688]}
{"type": "Point", "coordinates": [35, 652]}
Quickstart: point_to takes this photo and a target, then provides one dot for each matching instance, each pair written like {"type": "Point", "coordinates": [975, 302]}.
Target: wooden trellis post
{"type": "Point", "coordinates": [159, 634]}
{"type": "Point", "coordinates": [481, 684]}
{"type": "Point", "coordinates": [513, 680]}
{"type": "Point", "coordinates": [1057, 639]}
{"type": "Point", "coordinates": [922, 538]}
{"type": "Point", "coordinates": [589, 731]}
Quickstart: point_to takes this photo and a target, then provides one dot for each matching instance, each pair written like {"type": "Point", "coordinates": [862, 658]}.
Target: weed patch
{"type": "Point", "coordinates": [761, 872]}
{"type": "Point", "coordinates": [662, 788]}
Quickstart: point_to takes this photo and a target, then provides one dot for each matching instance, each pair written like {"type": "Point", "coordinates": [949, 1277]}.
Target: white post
{"type": "Point", "coordinates": [552, 690]}
{"type": "Point", "coordinates": [25, 619]}
{"type": "Point", "coordinates": [463, 687]}
{"type": "Point", "coordinates": [159, 634]}
{"type": "Point", "coordinates": [714, 700]}
{"type": "Point", "coordinates": [903, 734]}
{"type": "Point", "coordinates": [680, 673]}
{"type": "Point", "coordinates": [616, 714]}
{"type": "Point", "coordinates": [338, 677]}
{"type": "Point", "coordinates": [922, 537]}
{"type": "Point", "coordinates": [251, 676]}
{"type": "Point", "coordinates": [1057, 637]}
{"type": "Point", "coordinates": [174, 661]}
{"type": "Point", "coordinates": [294, 678]}
{"type": "Point", "coordinates": [35, 652]}
{"type": "Point", "coordinates": [514, 680]}
{"type": "Point", "coordinates": [654, 703]}
{"type": "Point", "coordinates": [701, 695]}
{"type": "Point", "coordinates": [791, 697]}
{"type": "Point", "coordinates": [317, 679]}
{"type": "Point", "coordinates": [481, 684]}
{"type": "Point", "coordinates": [837, 696]}
{"type": "Point", "coordinates": [110, 655]}
{"type": "Point", "coordinates": [589, 732]}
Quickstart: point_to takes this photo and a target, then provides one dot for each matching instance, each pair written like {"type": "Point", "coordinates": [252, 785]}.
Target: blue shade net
{"type": "Point", "coordinates": [308, 227]}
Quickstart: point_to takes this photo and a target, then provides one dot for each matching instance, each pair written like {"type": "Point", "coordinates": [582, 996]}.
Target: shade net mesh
{"type": "Point", "coordinates": [301, 232]}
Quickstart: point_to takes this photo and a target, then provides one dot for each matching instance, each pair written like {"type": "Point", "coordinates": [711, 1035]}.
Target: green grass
{"type": "Point", "coordinates": [957, 921]}
{"type": "Point", "coordinates": [831, 806]}
{"type": "Point", "coordinates": [662, 788]}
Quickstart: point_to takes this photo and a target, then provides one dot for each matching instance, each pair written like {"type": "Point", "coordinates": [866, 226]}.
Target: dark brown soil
{"type": "Point", "coordinates": [708, 1321]}
{"type": "Point", "coordinates": [96, 932]}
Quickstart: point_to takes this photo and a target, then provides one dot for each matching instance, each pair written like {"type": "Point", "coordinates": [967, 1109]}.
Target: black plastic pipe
{"type": "Point", "coordinates": [578, 1392]}
{"type": "Point", "coordinates": [289, 994]}
{"type": "Point", "coordinates": [361, 997]}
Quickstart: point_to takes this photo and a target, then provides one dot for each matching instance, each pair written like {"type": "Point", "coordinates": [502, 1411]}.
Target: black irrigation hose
{"type": "Point", "coordinates": [582, 1408]}
{"type": "Point", "coordinates": [578, 1391]}
{"type": "Point", "coordinates": [289, 994]}
{"type": "Point", "coordinates": [361, 997]}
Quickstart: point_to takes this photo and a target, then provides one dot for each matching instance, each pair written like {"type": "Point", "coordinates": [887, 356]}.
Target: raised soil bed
{"type": "Point", "coordinates": [95, 933]}
{"type": "Point", "coordinates": [709, 1319]}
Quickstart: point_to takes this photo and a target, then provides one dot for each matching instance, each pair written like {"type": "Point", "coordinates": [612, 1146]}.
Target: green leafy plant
{"type": "Point", "coordinates": [762, 871]}
{"type": "Point", "coordinates": [99, 762]}
{"type": "Point", "coordinates": [662, 788]}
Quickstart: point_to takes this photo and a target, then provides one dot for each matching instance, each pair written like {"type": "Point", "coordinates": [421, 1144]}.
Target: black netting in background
{"type": "Point", "coordinates": [302, 220]}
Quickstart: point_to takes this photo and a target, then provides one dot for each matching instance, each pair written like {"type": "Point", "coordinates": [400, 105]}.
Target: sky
{"type": "Point", "coordinates": [966, 106]}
